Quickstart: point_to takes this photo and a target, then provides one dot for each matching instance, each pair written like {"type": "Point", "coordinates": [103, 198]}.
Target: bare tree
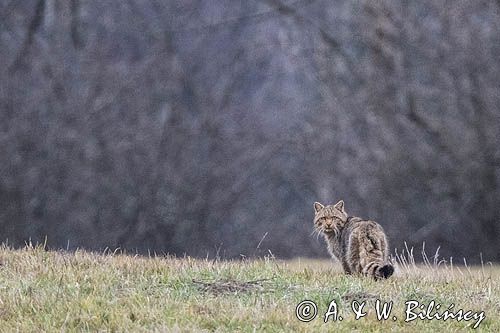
{"type": "Point", "coordinates": [199, 127]}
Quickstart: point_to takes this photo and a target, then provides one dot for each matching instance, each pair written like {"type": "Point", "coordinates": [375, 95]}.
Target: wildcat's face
{"type": "Point", "coordinates": [329, 219]}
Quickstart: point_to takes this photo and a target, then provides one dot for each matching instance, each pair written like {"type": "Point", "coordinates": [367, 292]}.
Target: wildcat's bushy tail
{"type": "Point", "coordinates": [378, 270]}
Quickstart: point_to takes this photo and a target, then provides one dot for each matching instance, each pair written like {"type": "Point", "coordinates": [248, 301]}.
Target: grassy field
{"type": "Point", "coordinates": [80, 291]}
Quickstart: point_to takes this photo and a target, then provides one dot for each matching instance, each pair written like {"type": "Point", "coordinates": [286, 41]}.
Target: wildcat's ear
{"type": "Point", "coordinates": [340, 206]}
{"type": "Point", "coordinates": [318, 207]}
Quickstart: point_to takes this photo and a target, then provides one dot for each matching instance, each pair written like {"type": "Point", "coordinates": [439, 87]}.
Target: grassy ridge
{"type": "Point", "coordinates": [81, 291]}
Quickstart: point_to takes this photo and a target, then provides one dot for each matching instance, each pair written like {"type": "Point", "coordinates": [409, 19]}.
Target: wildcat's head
{"type": "Point", "coordinates": [329, 219]}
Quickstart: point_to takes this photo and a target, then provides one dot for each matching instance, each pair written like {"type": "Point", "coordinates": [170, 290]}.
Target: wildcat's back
{"type": "Point", "coordinates": [366, 249]}
{"type": "Point", "coordinates": [360, 245]}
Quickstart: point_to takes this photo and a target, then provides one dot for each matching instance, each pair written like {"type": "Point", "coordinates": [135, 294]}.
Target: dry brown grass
{"type": "Point", "coordinates": [44, 291]}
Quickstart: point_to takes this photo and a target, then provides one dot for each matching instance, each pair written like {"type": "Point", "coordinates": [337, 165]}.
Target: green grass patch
{"type": "Point", "coordinates": [44, 291]}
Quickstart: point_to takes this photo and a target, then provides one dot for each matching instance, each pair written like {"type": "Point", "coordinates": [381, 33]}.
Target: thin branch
{"type": "Point", "coordinates": [35, 23]}
{"type": "Point", "coordinates": [326, 36]}
{"type": "Point", "coordinates": [234, 20]}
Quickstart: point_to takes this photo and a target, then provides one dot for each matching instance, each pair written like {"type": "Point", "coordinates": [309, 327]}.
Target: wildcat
{"type": "Point", "coordinates": [360, 245]}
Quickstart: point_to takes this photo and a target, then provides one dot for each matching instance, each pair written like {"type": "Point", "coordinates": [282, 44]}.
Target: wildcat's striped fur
{"type": "Point", "coordinates": [360, 245]}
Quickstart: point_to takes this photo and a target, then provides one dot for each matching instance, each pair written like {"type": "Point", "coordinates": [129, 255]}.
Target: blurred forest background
{"type": "Point", "coordinates": [199, 126]}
